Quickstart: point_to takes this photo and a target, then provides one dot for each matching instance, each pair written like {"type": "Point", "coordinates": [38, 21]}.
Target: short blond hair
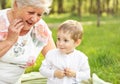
{"type": "Point", "coordinates": [44, 4]}
{"type": "Point", "coordinates": [73, 27]}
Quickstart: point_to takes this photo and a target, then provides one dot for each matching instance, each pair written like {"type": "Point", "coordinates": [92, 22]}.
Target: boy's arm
{"type": "Point", "coordinates": [46, 69]}
{"type": "Point", "coordinates": [84, 72]}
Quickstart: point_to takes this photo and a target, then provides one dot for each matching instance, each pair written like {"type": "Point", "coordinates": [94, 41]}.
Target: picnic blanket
{"type": "Point", "coordinates": [37, 76]}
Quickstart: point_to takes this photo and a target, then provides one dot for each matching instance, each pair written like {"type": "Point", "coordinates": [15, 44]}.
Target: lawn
{"type": "Point", "coordinates": [100, 44]}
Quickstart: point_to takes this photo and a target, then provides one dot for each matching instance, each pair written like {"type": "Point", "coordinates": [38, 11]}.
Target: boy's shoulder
{"type": "Point", "coordinates": [52, 52]}
{"type": "Point", "coordinates": [80, 54]}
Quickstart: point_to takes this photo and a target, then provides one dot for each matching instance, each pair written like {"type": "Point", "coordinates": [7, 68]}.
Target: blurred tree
{"type": "Point", "coordinates": [3, 4]}
{"type": "Point", "coordinates": [107, 4]}
{"type": "Point", "coordinates": [60, 6]}
{"type": "Point", "coordinates": [98, 13]}
{"type": "Point", "coordinates": [79, 8]}
{"type": "Point", "coordinates": [53, 6]}
{"type": "Point", "coordinates": [91, 6]}
{"type": "Point", "coordinates": [115, 6]}
{"type": "Point", "coordinates": [73, 7]}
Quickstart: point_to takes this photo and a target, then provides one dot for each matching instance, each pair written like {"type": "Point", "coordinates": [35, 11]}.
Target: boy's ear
{"type": "Point", "coordinates": [78, 42]}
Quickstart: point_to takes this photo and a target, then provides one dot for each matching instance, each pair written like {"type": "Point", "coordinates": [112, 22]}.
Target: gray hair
{"type": "Point", "coordinates": [44, 4]}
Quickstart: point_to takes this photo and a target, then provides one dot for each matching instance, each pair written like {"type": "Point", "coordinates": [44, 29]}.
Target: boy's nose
{"type": "Point", "coordinates": [60, 43]}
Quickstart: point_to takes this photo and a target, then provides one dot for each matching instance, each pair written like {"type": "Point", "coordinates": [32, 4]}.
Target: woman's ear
{"type": "Point", "coordinates": [78, 42]}
{"type": "Point", "coordinates": [15, 5]}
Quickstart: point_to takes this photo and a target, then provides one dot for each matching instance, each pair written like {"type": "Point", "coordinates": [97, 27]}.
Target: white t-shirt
{"type": "Point", "coordinates": [24, 52]}
{"type": "Point", "coordinates": [76, 61]}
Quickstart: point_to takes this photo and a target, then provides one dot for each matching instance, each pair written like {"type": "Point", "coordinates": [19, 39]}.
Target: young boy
{"type": "Point", "coordinates": [66, 65]}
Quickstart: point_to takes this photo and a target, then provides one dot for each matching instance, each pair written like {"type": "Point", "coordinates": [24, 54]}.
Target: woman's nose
{"type": "Point", "coordinates": [35, 18]}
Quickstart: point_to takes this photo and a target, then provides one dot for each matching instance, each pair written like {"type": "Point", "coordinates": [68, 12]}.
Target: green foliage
{"type": "Point", "coordinates": [36, 66]}
{"type": "Point", "coordinates": [8, 3]}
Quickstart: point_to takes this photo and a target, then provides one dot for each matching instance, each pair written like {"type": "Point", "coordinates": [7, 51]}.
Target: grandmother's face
{"type": "Point", "coordinates": [30, 15]}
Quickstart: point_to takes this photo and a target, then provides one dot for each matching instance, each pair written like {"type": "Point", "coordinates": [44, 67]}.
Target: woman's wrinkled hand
{"type": "Point", "coordinates": [14, 30]}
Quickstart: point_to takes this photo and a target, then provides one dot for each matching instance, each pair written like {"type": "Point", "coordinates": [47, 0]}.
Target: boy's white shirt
{"type": "Point", "coordinates": [55, 60]}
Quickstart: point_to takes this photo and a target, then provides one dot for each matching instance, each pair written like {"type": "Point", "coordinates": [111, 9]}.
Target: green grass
{"type": "Point", "coordinates": [100, 44]}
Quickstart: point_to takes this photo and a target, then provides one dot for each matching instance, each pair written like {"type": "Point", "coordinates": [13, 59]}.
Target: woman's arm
{"type": "Point", "coordinates": [4, 47]}
{"type": "Point", "coordinates": [49, 46]}
{"type": "Point", "coordinates": [13, 34]}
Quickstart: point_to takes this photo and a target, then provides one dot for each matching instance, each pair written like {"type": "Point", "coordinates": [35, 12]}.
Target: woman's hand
{"type": "Point", "coordinates": [14, 30]}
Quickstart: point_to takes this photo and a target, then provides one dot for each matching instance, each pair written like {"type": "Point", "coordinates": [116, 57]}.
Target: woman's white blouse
{"type": "Point", "coordinates": [24, 52]}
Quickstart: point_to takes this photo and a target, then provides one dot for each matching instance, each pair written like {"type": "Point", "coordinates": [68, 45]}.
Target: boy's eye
{"type": "Point", "coordinates": [58, 39]}
{"type": "Point", "coordinates": [66, 40]}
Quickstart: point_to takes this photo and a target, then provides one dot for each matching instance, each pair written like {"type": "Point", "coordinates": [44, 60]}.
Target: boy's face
{"type": "Point", "coordinates": [65, 43]}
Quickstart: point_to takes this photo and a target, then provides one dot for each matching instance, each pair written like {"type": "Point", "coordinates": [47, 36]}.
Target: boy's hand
{"type": "Point", "coordinates": [70, 73]}
{"type": "Point", "coordinates": [59, 74]}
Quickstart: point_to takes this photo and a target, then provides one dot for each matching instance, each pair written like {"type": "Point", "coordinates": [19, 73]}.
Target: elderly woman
{"type": "Point", "coordinates": [23, 35]}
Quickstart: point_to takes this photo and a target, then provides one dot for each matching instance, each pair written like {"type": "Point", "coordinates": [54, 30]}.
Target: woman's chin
{"type": "Point", "coordinates": [28, 27]}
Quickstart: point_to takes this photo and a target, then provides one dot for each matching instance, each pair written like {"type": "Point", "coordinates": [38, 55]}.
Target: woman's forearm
{"type": "Point", "coordinates": [4, 47]}
{"type": "Point", "coordinates": [49, 46]}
